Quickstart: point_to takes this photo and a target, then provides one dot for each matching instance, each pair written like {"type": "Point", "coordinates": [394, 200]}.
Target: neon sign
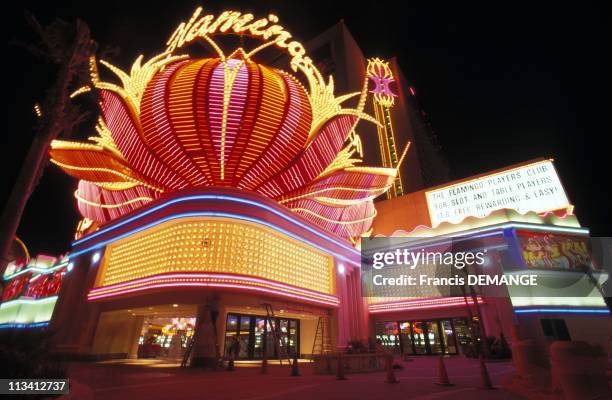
{"type": "Point", "coordinates": [378, 71]}
{"type": "Point", "coordinates": [201, 27]}
{"type": "Point", "coordinates": [380, 74]}
{"type": "Point", "coordinates": [176, 121]}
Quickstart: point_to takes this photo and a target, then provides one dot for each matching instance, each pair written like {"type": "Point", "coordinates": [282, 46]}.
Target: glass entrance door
{"type": "Point", "coordinates": [253, 335]}
{"type": "Point", "coordinates": [420, 337]}
{"type": "Point", "coordinates": [269, 338]}
{"type": "Point", "coordinates": [244, 337]}
{"type": "Point", "coordinates": [421, 345]}
{"type": "Point", "coordinates": [259, 337]}
{"type": "Point", "coordinates": [406, 337]}
{"type": "Point", "coordinates": [448, 337]}
{"type": "Point", "coordinates": [388, 334]}
{"type": "Point", "coordinates": [231, 330]}
{"type": "Point", "coordinates": [293, 336]}
{"type": "Point", "coordinates": [433, 337]}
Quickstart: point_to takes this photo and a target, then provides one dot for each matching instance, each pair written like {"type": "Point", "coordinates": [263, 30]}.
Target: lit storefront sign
{"type": "Point", "coordinates": [560, 262]}
{"type": "Point", "coordinates": [38, 279]}
{"type": "Point", "coordinates": [209, 251]}
{"type": "Point", "coordinates": [25, 312]}
{"type": "Point", "coordinates": [547, 250]}
{"type": "Point", "coordinates": [530, 188]}
{"type": "Point", "coordinates": [31, 291]}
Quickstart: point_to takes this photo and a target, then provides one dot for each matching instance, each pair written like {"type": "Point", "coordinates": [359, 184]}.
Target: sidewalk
{"type": "Point", "coordinates": [160, 381]}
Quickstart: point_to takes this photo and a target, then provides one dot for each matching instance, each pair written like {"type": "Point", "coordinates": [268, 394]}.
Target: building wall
{"type": "Point", "coordinates": [499, 314]}
{"type": "Point", "coordinates": [426, 165]}
{"type": "Point", "coordinates": [591, 328]}
{"type": "Point", "coordinates": [401, 213]}
{"type": "Point", "coordinates": [117, 334]}
{"type": "Point", "coordinates": [308, 329]}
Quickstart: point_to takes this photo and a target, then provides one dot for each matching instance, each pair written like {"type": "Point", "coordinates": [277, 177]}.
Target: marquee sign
{"type": "Point", "coordinates": [530, 188]}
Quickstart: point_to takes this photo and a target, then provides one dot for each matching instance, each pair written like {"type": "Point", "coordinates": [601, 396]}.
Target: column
{"type": "Point", "coordinates": [339, 319]}
{"type": "Point", "coordinates": [205, 345]}
{"type": "Point", "coordinates": [135, 335]}
{"type": "Point", "coordinates": [75, 318]}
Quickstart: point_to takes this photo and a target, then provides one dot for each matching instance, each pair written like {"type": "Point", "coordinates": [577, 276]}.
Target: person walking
{"type": "Point", "coordinates": [232, 353]}
{"type": "Point", "coordinates": [234, 349]}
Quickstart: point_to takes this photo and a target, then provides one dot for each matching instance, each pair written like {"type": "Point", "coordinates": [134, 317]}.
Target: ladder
{"type": "Point", "coordinates": [322, 343]}
{"type": "Point", "coordinates": [187, 353]}
{"type": "Point", "coordinates": [281, 340]}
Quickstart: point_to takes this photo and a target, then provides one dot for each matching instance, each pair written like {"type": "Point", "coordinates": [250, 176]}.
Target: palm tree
{"type": "Point", "coordinates": [68, 47]}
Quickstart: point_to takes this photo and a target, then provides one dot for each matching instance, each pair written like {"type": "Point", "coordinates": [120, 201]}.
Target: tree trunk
{"type": "Point", "coordinates": [53, 121]}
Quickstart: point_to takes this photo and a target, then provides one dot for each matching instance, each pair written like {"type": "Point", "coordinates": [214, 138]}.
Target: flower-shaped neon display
{"type": "Point", "coordinates": [178, 122]}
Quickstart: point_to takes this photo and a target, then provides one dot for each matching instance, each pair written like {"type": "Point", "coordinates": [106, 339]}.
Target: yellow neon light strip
{"type": "Point", "coordinates": [99, 205]}
{"type": "Point", "coordinates": [110, 171]}
{"type": "Point", "coordinates": [81, 90]}
{"type": "Point", "coordinates": [336, 221]}
{"type": "Point", "coordinates": [345, 189]}
{"type": "Point", "coordinates": [331, 201]}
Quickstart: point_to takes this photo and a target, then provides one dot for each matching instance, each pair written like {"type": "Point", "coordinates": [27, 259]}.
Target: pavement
{"type": "Point", "coordinates": [151, 380]}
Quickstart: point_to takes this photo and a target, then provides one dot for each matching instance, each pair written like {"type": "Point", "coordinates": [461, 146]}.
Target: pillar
{"type": "Point", "coordinates": [339, 319]}
{"type": "Point", "coordinates": [205, 345]}
{"type": "Point", "coordinates": [75, 318]}
{"type": "Point", "coordinates": [117, 335]}
{"type": "Point", "coordinates": [135, 335]}
{"type": "Point", "coordinates": [221, 327]}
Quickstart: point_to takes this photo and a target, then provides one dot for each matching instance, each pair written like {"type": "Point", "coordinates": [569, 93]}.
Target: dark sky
{"type": "Point", "coordinates": [501, 85]}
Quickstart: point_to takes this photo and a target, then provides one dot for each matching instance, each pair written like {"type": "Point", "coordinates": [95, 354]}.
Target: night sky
{"type": "Point", "coordinates": [501, 85]}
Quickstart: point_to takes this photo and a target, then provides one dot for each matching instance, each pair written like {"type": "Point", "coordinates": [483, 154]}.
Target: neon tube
{"type": "Point", "coordinates": [443, 302]}
{"type": "Point", "coordinates": [563, 310]}
{"type": "Point", "coordinates": [519, 225]}
{"type": "Point", "coordinates": [42, 271]}
{"type": "Point", "coordinates": [22, 326]}
{"type": "Point", "coordinates": [212, 280]}
{"type": "Point", "coordinates": [207, 284]}
{"type": "Point", "coordinates": [440, 240]}
{"type": "Point", "coordinates": [213, 276]}
{"type": "Point", "coordinates": [203, 279]}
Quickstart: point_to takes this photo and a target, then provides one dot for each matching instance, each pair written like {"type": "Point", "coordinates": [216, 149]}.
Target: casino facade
{"type": "Point", "coordinates": [225, 196]}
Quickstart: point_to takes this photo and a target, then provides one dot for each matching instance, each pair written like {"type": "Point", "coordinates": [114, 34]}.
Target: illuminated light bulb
{"type": "Point", "coordinates": [95, 258]}
{"type": "Point", "coordinates": [341, 269]}
{"type": "Point", "coordinates": [70, 267]}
